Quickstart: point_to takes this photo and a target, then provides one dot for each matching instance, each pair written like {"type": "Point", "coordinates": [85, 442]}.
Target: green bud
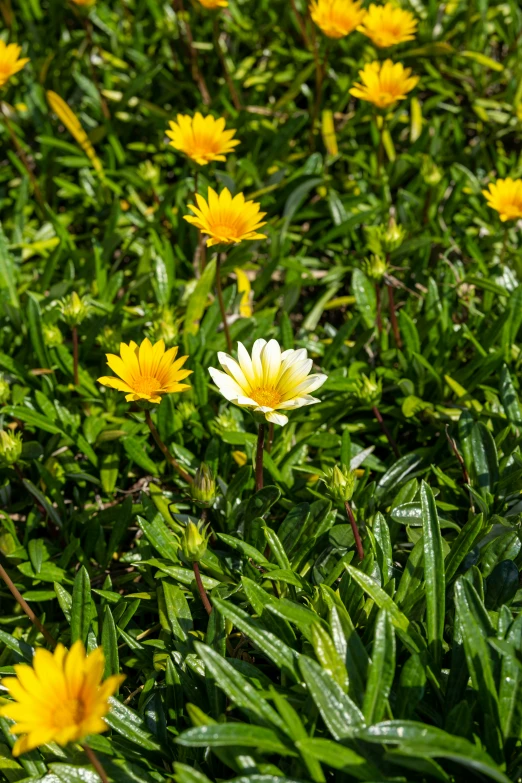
{"type": "Point", "coordinates": [109, 339]}
{"type": "Point", "coordinates": [165, 327]}
{"type": "Point", "coordinates": [393, 236]}
{"type": "Point", "coordinates": [367, 390]}
{"type": "Point", "coordinates": [203, 488]}
{"type": "Point", "coordinates": [375, 267]}
{"type": "Point", "coordinates": [75, 309]}
{"type": "Point", "coordinates": [430, 172]}
{"type": "Point", "coordinates": [225, 422]}
{"type": "Point", "coordinates": [340, 483]}
{"type": "Point", "coordinates": [52, 335]}
{"type": "Point", "coordinates": [194, 542]}
{"type": "Point", "coordinates": [5, 391]}
{"type": "Point", "coordinates": [10, 447]}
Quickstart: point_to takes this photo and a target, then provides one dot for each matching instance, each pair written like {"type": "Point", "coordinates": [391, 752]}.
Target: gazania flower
{"type": "Point", "coordinates": [60, 698]}
{"type": "Point", "coordinates": [337, 18]}
{"type": "Point", "coordinates": [214, 3]}
{"type": "Point", "coordinates": [203, 139]}
{"type": "Point", "coordinates": [505, 196]}
{"type": "Point", "coordinates": [225, 219]}
{"type": "Point", "coordinates": [384, 84]}
{"type": "Point", "coordinates": [10, 62]}
{"type": "Point", "coordinates": [269, 381]}
{"type": "Point", "coordinates": [388, 25]}
{"type": "Point", "coordinates": [146, 372]}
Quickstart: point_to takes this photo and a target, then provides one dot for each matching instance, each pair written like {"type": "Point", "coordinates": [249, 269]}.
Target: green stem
{"type": "Point", "coordinates": [222, 303]}
{"type": "Point", "coordinates": [76, 374]}
{"type": "Point", "coordinates": [202, 592]}
{"type": "Point", "coordinates": [168, 456]}
{"type": "Point", "coordinates": [355, 530]}
{"type": "Point", "coordinates": [96, 763]}
{"type": "Point", "coordinates": [25, 607]}
{"type": "Point", "coordinates": [259, 457]}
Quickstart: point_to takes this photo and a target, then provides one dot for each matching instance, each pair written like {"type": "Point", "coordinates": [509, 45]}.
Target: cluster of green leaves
{"type": "Point", "coordinates": [313, 666]}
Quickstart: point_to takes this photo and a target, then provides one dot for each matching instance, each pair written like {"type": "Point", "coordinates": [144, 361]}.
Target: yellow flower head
{"type": "Point", "coordinates": [269, 381]}
{"type": "Point", "coordinates": [146, 372]}
{"type": "Point", "coordinates": [505, 196]}
{"type": "Point", "coordinates": [10, 62]}
{"type": "Point", "coordinates": [60, 698]}
{"type": "Point", "coordinates": [337, 18]}
{"type": "Point", "coordinates": [203, 139]}
{"type": "Point", "coordinates": [384, 84]}
{"type": "Point", "coordinates": [388, 25]}
{"type": "Point", "coordinates": [214, 3]}
{"type": "Point", "coordinates": [225, 219]}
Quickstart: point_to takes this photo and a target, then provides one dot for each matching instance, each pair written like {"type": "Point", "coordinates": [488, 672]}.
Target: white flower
{"type": "Point", "coordinates": [269, 381]}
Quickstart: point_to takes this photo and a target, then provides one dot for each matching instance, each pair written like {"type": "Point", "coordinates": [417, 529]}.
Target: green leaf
{"type": "Point", "coordinates": [109, 642]}
{"type": "Point", "coordinates": [365, 297]}
{"type": "Point", "coordinates": [340, 714]}
{"type": "Point", "coordinates": [233, 734]}
{"type": "Point", "coordinates": [434, 574]}
{"type": "Point", "coordinates": [382, 669]}
{"type": "Point", "coordinates": [81, 606]}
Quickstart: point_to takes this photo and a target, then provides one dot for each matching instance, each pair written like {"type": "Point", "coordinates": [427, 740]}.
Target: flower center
{"type": "Point", "coordinates": [69, 713]}
{"type": "Point", "coordinates": [267, 398]}
{"type": "Point", "coordinates": [224, 230]}
{"type": "Point", "coordinates": [146, 385]}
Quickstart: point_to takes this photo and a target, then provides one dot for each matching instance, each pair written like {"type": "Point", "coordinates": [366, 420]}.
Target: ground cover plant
{"type": "Point", "coordinates": [260, 427]}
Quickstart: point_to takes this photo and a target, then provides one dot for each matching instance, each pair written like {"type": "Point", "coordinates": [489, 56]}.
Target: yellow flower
{"type": "Point", "coordinates": [146, 372]}
{"type": "Point", "coordinates": [225, 219]}
{"type": "Point", "coordinates": [505, 196]}
{"type": "Point", "coordinates": [245, 289]}
{"type": "Point", "coordinates": [214, 3]}
{"type": "Point", "coordinates": [388, 25]}
{"type": "Point", "coordinates": [270, 380]}
{"type": "Point", "coordinates": [60, 698]}
{"type": "Point", "coordinates": [384, 84]}
{"type": "Point", "coordinates": [10, 62]}
{"type": "Point", "coordinates": [337, 18]}
{"type": "Point", "coordinates": [203, 139]}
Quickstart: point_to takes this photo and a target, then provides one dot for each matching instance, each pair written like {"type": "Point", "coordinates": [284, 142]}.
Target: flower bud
{"type": "Point", "coordinates": [75, 309]}
{"type": "Point", "coordinates": [393, 236]}
{"type": "Point", "coordinates": [5, 391]}
{"type": "Point", "coordinates": [430, 172]}
{"type": "Point", "coordinates": [367, 391]}
{"type": "Point", "coordinates": [375, 267]}
{"type": "Point", "coordinates": [52, 335]}
{"type": "Point", "coordinates": [203, 488]}
{"type": "Point", "coordinates": [340, 483]}
{"type": "Point", "coordinates": [10, 447]}
{"type": "Point", "coordinates": [194, 542]}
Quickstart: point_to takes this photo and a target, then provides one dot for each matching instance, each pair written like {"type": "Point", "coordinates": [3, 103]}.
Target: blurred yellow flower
{"type": "Point", "coordinates": [60, 698]}
{"type": "Point", "coordinates": [244, 288]}
{"type": "Point", "coordinates": [85, 3]}
{"type": "Point", "coordinates": [384, 84]}
{"type": "Point", "coordinates": [147, 372]}
{"type": "Point", "coordinates": [10, 62]}
{"type": "Point", "coordinates": [337, 18]}
{"type": "Point", "coordinates": [203, 139]}
{"type": "Point", "coordinates": [214, 3]}
{"type": "Point", "coordinates": [269, 381]}
{"type": "Point", "coordinates": [505, 196]}
{"type": "Point", "coordinates": [225, 219]}
{"type": "Point", "coordinates": [388, 25]}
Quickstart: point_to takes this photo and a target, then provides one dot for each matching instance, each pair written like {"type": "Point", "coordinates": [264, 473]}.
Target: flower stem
{"type": "Point", "coordinates": [168, 456]}
{"type": "Point", "coordinates": [259, 457]}
{"type": "Point", "coordinates": [386, 431]}
{"type": "Point", "coordinates": [222, 303]}
{"type": "Point", "coordinates": [378, 316]}
{"type": "Point", "coordinates": [75, 356]}
{"type": "Point", "coordinates": [26, 608]}
{"type": "Point", "coordinates": [96, 763]}
{"type": "Point", "coordinates": [270, 437]}
{"type": "Point", "coordinates": [504, 244]}
{"type": "Point", "coordinates": [202, 592]}
{"type": "Point", "coordinates": [380, 152]}
{"type": "Point", "coordinates": [393, 316]}
{"type": "Point", "coordinates": [196, 72]}
{"type": "Point", "coordinates": [301, 23]}
{"type": "Point", "coordinates": [355, 530]}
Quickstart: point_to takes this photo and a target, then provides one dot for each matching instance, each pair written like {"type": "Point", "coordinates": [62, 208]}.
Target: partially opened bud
{"type": "Point", "coordinates": [375, 267]}
{"type": "Point", "coordinates": [367, 390]}
{"type": "Point", "coordinates": [52, 335]}
{"type": "Point", "coordinates": [10, 447]}
{"type": "Point", "coordinates": [392, 236]}
{"type": "Point", "coordinates": [75, 309]}
{"type": "Point", "coordinates": [340, 483]}
{"type": "Point", "coordinates": [194, 542]}
{"type": "Point", "coordinates": [203, 488]}
{"type": "Point", "coordinates": [5, 391]}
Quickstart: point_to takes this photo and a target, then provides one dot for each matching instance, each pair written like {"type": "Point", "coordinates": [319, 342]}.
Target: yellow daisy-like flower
{"type": "Point", "coordinates": [384, 84]}
{"type": "Point", "coordinates": [226, 220]}
{"type": "Point", "coordinates": [203, 139]}
{"type": "Point", "coordinates": [269, 381]}
{"type": "Point", "coordinates": [214, 3]}
{"type": "Point", "coordinates": [10, 61]}
{"type": "Point", "coordinates": [60, 698]}
{"type": "Point", "coordinates": [505, 196]}
{"type": "Point", "coordinates": [146, 372]}
{"type": "Point", "coordinates": [337, 18]}
{"type": "Point", "coordinates": [388, 25]}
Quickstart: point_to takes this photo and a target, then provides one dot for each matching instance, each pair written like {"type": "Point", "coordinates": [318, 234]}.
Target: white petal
{"type": "Point", "coordinates": [271, 359]}
{"type": "Point", "coordinates": [245, 362]}
{"type": "Point", "coordinates": [263, 409]}
{"type": "Point", "coordinates": [232, 368]}
{"type": "Point", "coordinates": [257, 367]}
{"type": "Point", "coordinates": [310, 384]}
{"type": "Point", "coordinates": [248, 401]}
{"type": "Point", "coordinates": [277, 418]}
{"type": "Point", "coordinates": [226, 385]}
